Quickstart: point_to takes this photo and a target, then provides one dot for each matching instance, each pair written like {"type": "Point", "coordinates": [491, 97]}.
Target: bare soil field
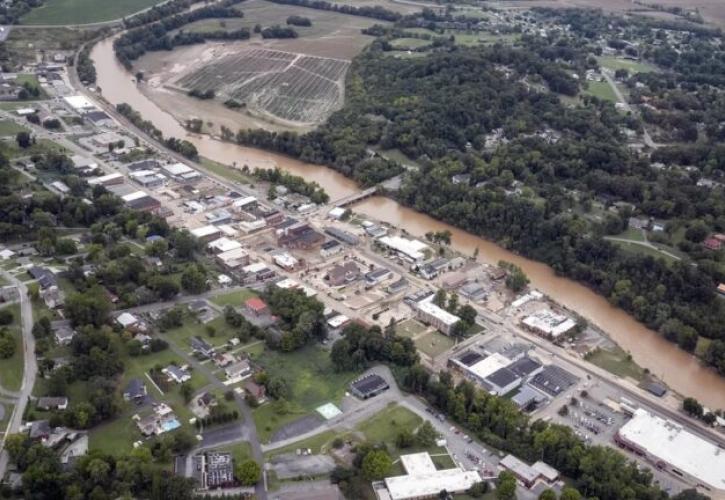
{"type": "Point", "coordinates": [284, 84]}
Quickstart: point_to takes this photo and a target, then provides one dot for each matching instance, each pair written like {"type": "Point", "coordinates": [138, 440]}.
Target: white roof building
{"type": "Point", "coordinates": [413, 249]}
{"type": "Point", "coordinates": [24, 111]}
{"type": "Point", "coordinates": [255, 268]}
{"type": "Point", "coordinates": [489, 365]}
{"type": "Point", "coordinates": [136, 195]}
{"type": "Point", "coordinates": [446, 318]}
{"type": "Point", "coordinates": [79, 102]}
{"type": "Point", "coordinates": [285, 261]}
{"type": "Point", "coordinates": [177, 169]}
{"type": "Point", "coordinates": [83, 162]}
{"type": "Point", "coordinates": [336, 213]}
{"type": "Point", "coordinates": [106, 179]}
{"type": "Point", "coordinates": [60, 186]}
{"type": "Point", "coordinates": [126, 319]}
{"type": "Point", "coordinates": [223, 244]}
{"type": "Point", "coordinates": [243, 202]}
{"type": "Point", "coordinates": [337, 321]}
{"type": "Point", "coordinates": [667, 444]}
{"type": "Point", "coordinates": [422, 480]}
{"type": "Point", "coordinates": [204, 231]}
{"type": "Point", "coordinates": [549, 323]}
{"type": "Point", "coordinates": [228, 230]}
{"type": "Point", "coordinates": [233, 258]}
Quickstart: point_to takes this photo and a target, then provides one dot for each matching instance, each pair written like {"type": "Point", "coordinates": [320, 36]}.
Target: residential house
{"type": "Point", "coordinates": [46, 278]}
{"type": "Point", "coordinates": [52, 297]}
{"type": "Point", "coordinates": [135, 390]}
{"type": "Point", "coordinates": [127, 320]}
{"type": "Point", "coordinates": [49, 403]}
{"type": "Point", "coordinates": [63, 334]}
{"type": "Point", "coordinates": [202, 347]}
{"type": "Point", "coordinates": [177, 374]}
{"type": "Point", "coordinates": [344, 274]}
{"type": "Point", "coordinates": [256, 391]}
{"type": "Point", "coordinates": [238, 370]}
{"type": "Point", "coordinates": [256, 306]}
{"type": "Point", "coordinates": [39, 430]}
{"type": "Point", "coordinates": [376, 276]}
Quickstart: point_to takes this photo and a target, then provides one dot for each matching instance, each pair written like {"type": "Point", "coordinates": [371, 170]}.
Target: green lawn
{"type": "Point", "coordinates": [385, 426]}
{"type": "Point", "coordinates": [642, 249]}
{"type": "Point", "coordinates": [254, 349]}
{"type": "Point", "coordinates": [229, 173]}
{"type": "Point", "coordinates": [312, 381]}
{"type": "Point", "coordinates": [615, 63]}
{"type": "Point", "coordinates": [10, 148]}
{"type": "Point", "coordinates": [409, 328]}
{"type": "Point", "coordinates": [115, 437]}
{"type": "Point", "coordinates": [192, 327]}
{"type": "Point", "coordinates": [9, 127]}
{"type": "Point", "coordinates": [409, 43]}
{"type": "Point", "coordinates": [632, 234]}
{"type": "Point", "coordinates": [602, 90]}
{"type": "Point", "coordinates": [234, 299]}
{"type": "Point", "coordinates": [617, 362]}
{"type": "Point", "coordinates": [60, 12]}
{"type": "Point", "coordinates": [434, 343]}
{"type": "Point", "coordinates": [11, 369]}
{"type": "Point", "coordinates": [240, 451]}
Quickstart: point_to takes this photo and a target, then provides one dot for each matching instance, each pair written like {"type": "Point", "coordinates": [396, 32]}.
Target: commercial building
{"type": "Point", "coordinates": [549, 324]}
{"type": "Point", "coordinates": [330, 248]}
{"type": "Point", "coordinates": [206, 233]}
{"type": "Point", "coordinates": [233, 259]}
{"type": "Point", "coordinates": [423, 480]}
{"type": "Point", "coordinates": [429, 313]}
{"type": "Point", "coordinates": [369, 386]}
{"type": "Point", "coordinates": [343, 274]}
{"type": "Point", "coordinates": [377, 276]}
{"type": "Point", "coordinates": [285, 261]}
{"type": "Point", "coordinates": [107, 180]}
{"type": "Point", "coordinates": [528, 475]}
{"type": "Point", "coordinates": [670, 447]}
{"type": "Point", "coordinates": [223, 244]}
{"type": "Point", "coordinates": [410, 250]}
{"type": "Point", "coordinates": [342, 235]}
{"type": "Point", "coordinates": [79, 103]}
{"type": "Point", "coordinates": [180, 172]}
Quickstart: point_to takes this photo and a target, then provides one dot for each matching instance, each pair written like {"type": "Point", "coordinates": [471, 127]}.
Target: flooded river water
{"type": "Point", "coordinates": [680, 371]}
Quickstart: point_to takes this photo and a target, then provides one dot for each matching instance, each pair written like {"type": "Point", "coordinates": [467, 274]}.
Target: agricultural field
{"type": "Point", "coordinates": [283, 85]}
{"type": "Point", "coordinates": [60, 12]}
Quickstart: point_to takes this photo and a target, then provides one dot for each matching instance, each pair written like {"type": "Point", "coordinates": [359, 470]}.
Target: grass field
{"type": "Point", "coordinates": [60, 12]}
{"type": "Point", "coordinates": [11, 369]}
{"type": "Point", "coordinates": [642, 249]}
{"type": "Point", "coordinates": [409, 43]}
{"type": "Point", "coordinates": [10, 148]}
{"type": "Point", "coordinates": [409, 328]}
{"type": "Point", "coordinates": [191, 327]}
{"type": "Point", "coordinates": [385, 426]}
{"type": "Point", "coordinates": [229, 173]}
{"type": "Point", "coordinates": [601, 90]}
{"type": "Point", "coordinates": [434, 343]}
{"type": "Point", "coordinates": [617, 362]}
{"type": "Point", "coordinates": [10, 128]}
{"type": "Point", "coordinates": [234, 299]}
{"type": "Point", "coordinates": [312, 381]}
{"type": "Point", "coordinates": [615, 63]}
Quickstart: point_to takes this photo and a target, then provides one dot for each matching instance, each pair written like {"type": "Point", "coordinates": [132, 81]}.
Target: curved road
{"type": "Point", "coordinates": [30, 367]}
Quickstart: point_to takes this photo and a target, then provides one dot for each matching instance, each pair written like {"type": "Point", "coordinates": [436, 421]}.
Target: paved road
{"type": "Point", "coordinates": [30, 366]}
{"type": "Point", "coordinates": [620, 97]}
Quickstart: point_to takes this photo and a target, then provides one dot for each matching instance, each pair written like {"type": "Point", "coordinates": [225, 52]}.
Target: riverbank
{"type": "Point", "coordinates": [682, 372]}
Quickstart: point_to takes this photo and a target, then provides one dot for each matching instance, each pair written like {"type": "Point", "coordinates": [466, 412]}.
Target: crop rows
{"type": "Point", "coordinates": [290, 86]}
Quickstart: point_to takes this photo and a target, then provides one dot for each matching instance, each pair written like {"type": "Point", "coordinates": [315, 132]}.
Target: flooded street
{"type": "Point", "coordinates": [680, 371]}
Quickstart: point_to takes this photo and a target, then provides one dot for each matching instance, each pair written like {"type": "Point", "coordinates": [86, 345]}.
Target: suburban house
{"type": "Point", "coordinates": [256, 391]}
{"type": "Point", "coordinates": [52, 297]}
{"type": "Point", "coordinates": [239, 369]}
{"type": "Point", "coordinates": [202, 347]}
{"type": "Point", "coordinates": [46, 278]}
{"type": "Point", "coordinates": [135, 390]}
{"type": "Point", "coordinates": [256, 306]}
{"type": "Point", "coordinates": [49, 403]}
{"type": "Point", "coordinates": [63, 334]}
{"type": "Point", "coordinates": [176, 374]}
{"type": "Point", "coordinates": [127, 320]}
{"type": "Point", "coordinates": [162, 419]}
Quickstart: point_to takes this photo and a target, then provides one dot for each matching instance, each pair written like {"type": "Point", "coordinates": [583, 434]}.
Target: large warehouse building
{"type": "Point", "coordinates": [670, 447]}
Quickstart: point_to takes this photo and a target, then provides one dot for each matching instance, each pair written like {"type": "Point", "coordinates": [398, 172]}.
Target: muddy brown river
{"type": "Point", "coordinates": [682, 372]}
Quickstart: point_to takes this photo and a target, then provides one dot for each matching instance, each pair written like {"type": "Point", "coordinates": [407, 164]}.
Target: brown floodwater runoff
{"type": "Point", "coordinates": [682, 372]}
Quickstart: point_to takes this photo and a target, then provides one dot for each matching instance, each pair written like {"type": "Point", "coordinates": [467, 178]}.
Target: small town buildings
{"type": "Point", "coordinates": [398, 286]}
{"type": "Point", "coordinates": [285, 261]}
{"type": "Point", "coordinates": [52, 403]}
{"type": "Point", "coordinates": [410, 250]}
{"type": "Point", "coordinates": [127, 320]}
{"type": "Point", "coordinates": [338, 321]}
{"type": "Point", "coordinates": [549, 324]}
{"type": "Point", "coordinates": [176, 374]}
{"type": "Point", "coordinates": [223, 244]}
{"type": "Point", "coordinates": [162, 419]}
{"type": "Point", "coordinates": [181, 173]}
{"type": "Point", "coordinates": [206, 233]}
{"type": "Point", "coordinates": [107, 180]}
{"type": "Point", "coordinates": [369, 386]}
{"type": "Point", "coordinates": [343, 274]}
{"type": "Point", "coordinates": [669, 446]}
{"type": "Point", "coordinates": [528, 475]}
{"type": "Point", "coordinates": [330, 248]}
{"type": "Point", "coordinates": [256, 306]}
{"type": "Point", "coordinates": [135, 390]}
{"type": "Point", "coordinates": [336, 213]}
{"type": "Point", "coordinates": [377, 276]}
{"type": "Point", "coordinates": [342, 235]}
{"type": "Point", "coordinates": [473, 291]}
{"type": "Point", "coordinates": [233, 259]}
{"type": "Point", "coordinates": [46, 278]}
{"type": "Point", "coordinates": [423, 480]}
{"type": "Point", "coordinates": [431, 314]}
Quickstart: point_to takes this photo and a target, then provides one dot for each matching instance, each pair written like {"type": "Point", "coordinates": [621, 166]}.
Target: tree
{"type": "Point", "coordinates": [88, 308]}
{"type": "Point", "coordinates": [376, 465]}
{"type": "Point", "coordinates": [7, 345]}
{"type": "Point", "coordinates": [547, 494]}
{"type": "Point", "coordinates": [440, 298]}
{"type": "Point", "coordinates": [467, 314]}
{"type": "Point", "coordinates": [478, 489]}
{"type": "Point", "coordinates": [248, 472]}
{"type": "Point", "coordinates": [452, 306]}
{"type": "Point", "coordinates": [516, 279]}
{"type": "Point", "coordinates": [193, 280]}
{"type": "Point", "coordinates": [6, 316]}
{"type": "Point", "coordinates": [569, 493]}
{"type": "Point", "coordinates": [506, 486]}
{"type": "Point", "coordinates": [187, 391]}
{"type": "Point", "coordinates": [427, 435]}
{"type": "Point", "coordinates": [24, 140]}
{"type": "Point", "coordinates": [692, 407]}
{"type": "Point", "coordinates": [404, 439]}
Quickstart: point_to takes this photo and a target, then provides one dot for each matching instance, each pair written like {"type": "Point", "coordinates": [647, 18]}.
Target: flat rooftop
{"type": "Point", "coordinates": [671, 443]}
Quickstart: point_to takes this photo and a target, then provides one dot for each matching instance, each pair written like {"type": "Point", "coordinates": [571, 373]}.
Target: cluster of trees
{"type": "Point", "coordinates": [29, 91]}
{"type": "Point", "coordinates": [244, 329]}
{"type": "Point", "coordinates": [359, 347]}
{"type": "Point", "coordinates": [694, 408]}
{"type": "Point", "coordinates": [466, 313]}
{"type": "Point", "coordinates": [218, 415]}
{"type": "Point", "coordinates": [299, 21]}
{"type": "Point", "coordinates": [294, 183]}
{"type": "Point", "coordinates": [375, 12]}
{"type": "Point", "coordinates": [278, 31]}
{"type": "Point", "coordinates": [158, 12]}
{"type": "Point", "coordinates": [181, 146]}
{"type": "Point", "coordinates": [516, 279]}
{"type": "Point", "coordinates": [85, 68]}
{"type": "Point", "coordinates": [11, 12]}
{"type": "Point", "coordinates": [97, 475]}
{"type": "Point", "coordinates": [8, 342]}
{"type": "Point", "coordinates": [158, 36]}
{"type": "Point", "coordinates": [302, 318]}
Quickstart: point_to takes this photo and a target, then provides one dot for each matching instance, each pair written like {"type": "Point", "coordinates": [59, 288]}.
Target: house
{"type": "Point", "coordinates": [202, 347]}
{"type": "Point", "coordinates": [238, 370]}
{"type": "Point", "coordinates": [256, 306]}
{"type": "Point", "coordinates": [49, 403]}
{"type": "Point", "coordinates": [39, 430]}
{"type": "Point", "coordinates": [330, 248]}
{"type": "Point", "coordinates": [344, 274]}
{"type": "Point", "coordinates": [206, 400]}
{"type": "Point", "coordinates": [176, 374]}
{"type": "Point", "coordinates": [398, 286]}
{"type": "Point", "coordinates": [135, 390]}
{"type": "Point", "coordinates": [376, 276]}
{"type": "Point", "coordinates": [46, 278]}
{"type": "Point", "coordinates": [712, 243]}
{"type": "Point", "coordinates": [63, 334]}
{"type": "Point", "coordinates": [224, 359]}
{"type": "Point", "coordinates": [256, 391]}
{"type": "Point", "coordinates": [52, 297]}
{"type": "Point", "coordinates": [161, 420]}
{"type": "Point", "coordinates": [127, 320]}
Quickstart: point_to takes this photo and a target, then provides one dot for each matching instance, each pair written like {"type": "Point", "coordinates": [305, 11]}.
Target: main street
{"type": "Point", "coordinates": [30, 366]}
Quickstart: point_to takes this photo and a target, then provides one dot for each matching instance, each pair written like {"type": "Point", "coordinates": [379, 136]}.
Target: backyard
{"type": "Point", "coordinates": [234, 299]}
{"type": "Point", "coordinates": [616, 361]}
{"type": "Point", "coordinates": [602, 90]}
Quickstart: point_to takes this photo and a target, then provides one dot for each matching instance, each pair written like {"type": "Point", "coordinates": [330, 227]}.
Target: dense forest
{"type": "Point", "coordinates": [533, 166]}
{"type": "Point", "coordinates": [376, 12]}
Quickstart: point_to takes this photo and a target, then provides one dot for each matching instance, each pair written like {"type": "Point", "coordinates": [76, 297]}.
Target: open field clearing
{"type": "Point", "coordinates": [59, 12]}
{"type": "Point", "coordinates": [286, 86]}
{"type": "Point", "coordinates": [615, 63]}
